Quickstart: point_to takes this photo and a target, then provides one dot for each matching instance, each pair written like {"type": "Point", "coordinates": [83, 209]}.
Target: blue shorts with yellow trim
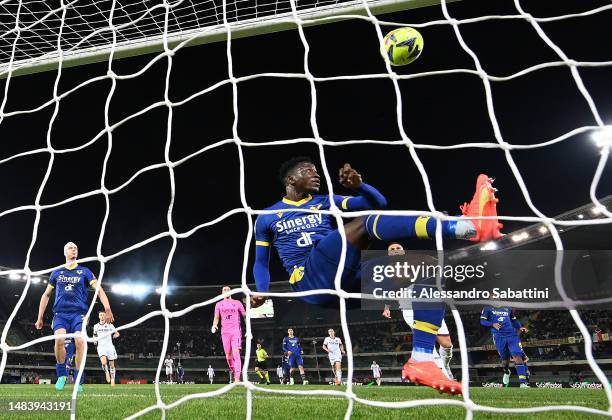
{"type": "Point", "coordinates": [508, 346]}
{"type": "Point", "coordinates": [319, 270]}
{"type": "Point", "coordinates": [72, 322]}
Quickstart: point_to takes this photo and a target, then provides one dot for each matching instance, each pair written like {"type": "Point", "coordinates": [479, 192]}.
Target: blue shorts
{"type": "Point", "coordinates": [508, 346]}
{"type": "Point", "coordinates": [71, 322]}
{"type": "Point", "coordinates": [295, 360]}
{"type": "Point", "coordinates": [321, 265]}
{"type": "Point", "coordinates": [286, 368]}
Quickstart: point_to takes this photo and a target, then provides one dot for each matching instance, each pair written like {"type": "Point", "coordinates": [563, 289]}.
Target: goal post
{"type": "Point", "coordinates": [148, 43]}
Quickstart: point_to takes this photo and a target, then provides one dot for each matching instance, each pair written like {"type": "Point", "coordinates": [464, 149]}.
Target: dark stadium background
{"type": "Point", "coordinates": [441, 110]}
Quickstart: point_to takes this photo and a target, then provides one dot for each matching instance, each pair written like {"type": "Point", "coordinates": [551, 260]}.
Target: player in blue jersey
{"type": "Point", "coordinates": [286, 368]}
{"type": "Point", "coordinates": [291, 346]}
{"type": "Point", "coordinates": [70, 349]}
{"type": "Point", "coordinates": [310, 246]}
{"type": "Point", "coordinates": [69, 309]}
{"type": "Point", "coordinates": [504, 325]}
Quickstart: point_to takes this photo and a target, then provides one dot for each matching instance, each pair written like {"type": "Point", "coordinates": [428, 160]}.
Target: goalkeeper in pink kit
{"type": "Point", "coordinates": [229, 311]}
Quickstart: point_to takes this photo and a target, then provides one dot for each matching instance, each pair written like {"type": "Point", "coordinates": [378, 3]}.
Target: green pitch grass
{"type": "Point", "coordinates": [104, 402]}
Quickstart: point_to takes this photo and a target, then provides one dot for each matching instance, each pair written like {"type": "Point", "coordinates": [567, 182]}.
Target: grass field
{"type": "Point", "coordinates": [104, 402]}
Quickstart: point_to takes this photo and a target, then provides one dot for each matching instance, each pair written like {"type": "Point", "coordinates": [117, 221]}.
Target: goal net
{"type": "Point", "coordinates": [47, 37]}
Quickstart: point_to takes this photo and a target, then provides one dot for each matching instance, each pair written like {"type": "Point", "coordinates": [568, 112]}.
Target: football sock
{"type": "Point", "coordinates": [390, 228]}
{"type": "Point", "coordinates": [521, 372]}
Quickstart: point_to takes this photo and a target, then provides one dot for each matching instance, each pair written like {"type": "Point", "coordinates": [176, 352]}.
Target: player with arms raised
{"type": "Point", "coordinates": [104, 332]}
{"type": "Point", "coordinates": [291, 346]}
{"type": "Point", "coordinates": [310, 246]}
{"type": "Point", "coordinates": [69, 309]}
{"type": "Point", "coordinates": [229, 311]}
{"type": "Point", "coordinates": [335, 349]}
{"type": "Point", "coordinates": [504, 326]}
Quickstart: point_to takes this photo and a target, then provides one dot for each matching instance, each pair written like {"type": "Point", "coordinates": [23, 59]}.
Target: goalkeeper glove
{"type": "Point", "coordinates": [213, 329]}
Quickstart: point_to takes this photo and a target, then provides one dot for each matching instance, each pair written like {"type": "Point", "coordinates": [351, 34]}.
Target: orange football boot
{"type": "Point", "coordinates": [429, 374]}
{"type": "Point", "coordinates": [483, 204]}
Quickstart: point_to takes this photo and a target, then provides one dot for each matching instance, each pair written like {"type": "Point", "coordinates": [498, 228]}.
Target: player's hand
{"type": "Point", "coordinates": [257, 301]}
{"type": "Point", "coordinates": [386, 312]}
{"type": "Point", "coordinates": [350, 178]}
{"type": "Point", "coordinates": [289, 353]}
{"type": "Point", "coordinates": [38, 324]}
{"type": "Point", "coordinates": [213, 329]}
{"type": "Point", "coordinates": [497, 325]}
{"type": "Point", "coordinates": [523, 330]}
{"type": "Point", "coordinates": [525, 359]}
{"type": "Point", "coordinates": [110, 318]}
{"type": "Point", "coordinates": [115, 335]}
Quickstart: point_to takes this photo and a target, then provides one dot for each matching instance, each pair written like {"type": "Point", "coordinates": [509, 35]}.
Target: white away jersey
{"type": "Point", "coordinates": [333, 345]}
{"type": "Point", "coordinates": [105, 334]}
{"type": "Point", "coordinates": [168, 363]}
{"type": "Point", "coordinates": [211, 372]}
{"type": "Point", "coordinates": [375, 370]}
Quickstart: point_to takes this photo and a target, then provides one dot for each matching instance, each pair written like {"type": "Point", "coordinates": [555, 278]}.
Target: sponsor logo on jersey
{"type": "Point", "coordinates": [304, 222]}
{"type": "Point", "coordinates": [68, 279]}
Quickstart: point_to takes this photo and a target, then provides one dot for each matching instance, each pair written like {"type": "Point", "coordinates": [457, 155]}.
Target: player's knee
{"type": "Point", "coordinates": [445, 341]}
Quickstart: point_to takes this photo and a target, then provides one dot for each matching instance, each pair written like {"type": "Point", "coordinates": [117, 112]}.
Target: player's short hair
{"type": "Point", "coordinates": [69, 244]}
{"type": "Point", "coordinates": [289, 166]}
{"type": "Point", "coordinates": [101, 312]}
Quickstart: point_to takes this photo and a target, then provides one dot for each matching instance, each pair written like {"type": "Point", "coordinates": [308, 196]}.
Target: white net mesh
{"type": "Point", "coordinates": [39, 30]}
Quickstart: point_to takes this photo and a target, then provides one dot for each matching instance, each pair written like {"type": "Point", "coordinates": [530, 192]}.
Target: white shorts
{"type": "Point", "coordinates": [108, 351]}
{"type": "Point", "coordinates": [376, 376]}
{"type": "Point", "coordinates": [168, 371]}
{"type": "Point", "coordinates": [333, 358]}
{"type": "Point", "coordinates": [408, 315]}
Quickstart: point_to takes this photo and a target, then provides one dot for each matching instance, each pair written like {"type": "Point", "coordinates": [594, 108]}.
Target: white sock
{"type": "Point", "coordinates": [339, 374]}
{"type": "Point", "coordinates": [465, 229]}
{"type": "Point", "coordinates": [420, 356]}
{"type": "Point", "coordinates": [447, 354]}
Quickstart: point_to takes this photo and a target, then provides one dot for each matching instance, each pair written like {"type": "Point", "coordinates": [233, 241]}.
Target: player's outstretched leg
{"type": "Point", "coordinates": [421, 368]}
{"type": "Point", "coordinates": [237, 365]}
{"type": "Point", "coordinates": [483, 204]}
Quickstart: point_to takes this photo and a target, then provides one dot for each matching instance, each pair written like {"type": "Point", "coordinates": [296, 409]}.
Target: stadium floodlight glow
{"type": "Point", "coordinates": [140, 290]}
{"type": "Point", "coordinates": [35, 280]}
{"type": "Point", "coordinates": [520, 237]}
{"type": "Point", "coordinates": [581, 216]}
{"type": "Point", "coordinates": [597, 210]}
{"type": "Point", "coordinates": [158, 290]}
{"type": "Point", "coordinates": [489, 246]}
{"type": "Point", "coordinates": [543, 229]}
{"type": "Point", "coordinates": [603, 137]}
{"type": "Point", "coordinates": [15, 276]}
{"type": "Point", "coordinates": [121, 289]}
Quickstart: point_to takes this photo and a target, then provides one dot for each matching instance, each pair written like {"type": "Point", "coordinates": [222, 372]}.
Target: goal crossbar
{"type": "Point", "coordinates": [278, 22]}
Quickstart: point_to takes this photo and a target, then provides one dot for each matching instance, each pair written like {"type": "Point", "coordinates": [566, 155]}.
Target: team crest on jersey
{"type": "Point", "coordinates": [317, 207]}
{"type": "Point", "coordinates": [279, 214]}
{"type": "Point", "coordinates": [79, 272]}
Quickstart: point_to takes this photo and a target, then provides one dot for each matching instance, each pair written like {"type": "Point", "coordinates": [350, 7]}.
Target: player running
{"type": "Point", "coordinates": [104, 332]}
{"type": "Point", "coordinates": [69, 309]}
{"type": "Point", "coordinates": [443, 358]}
{"type": "Point", "coordinates": [504, 326]}
{"type": "Point", "coordinates": [376, 372]}
{"type": "Point", "coordinates": [169, 363]}
{"type": "Point", "coordinates": [211, 374]}
{"type": "Point", "coordinates": [310, 245]}
{"type": "Point", "coordinates": [291, 346]}
{"type": "Point", "coordinates": [230, 310]}
{"type": "Point", "coordinates": [261, 364]}
{"type": "Point", "coordinates": [335, 349]}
